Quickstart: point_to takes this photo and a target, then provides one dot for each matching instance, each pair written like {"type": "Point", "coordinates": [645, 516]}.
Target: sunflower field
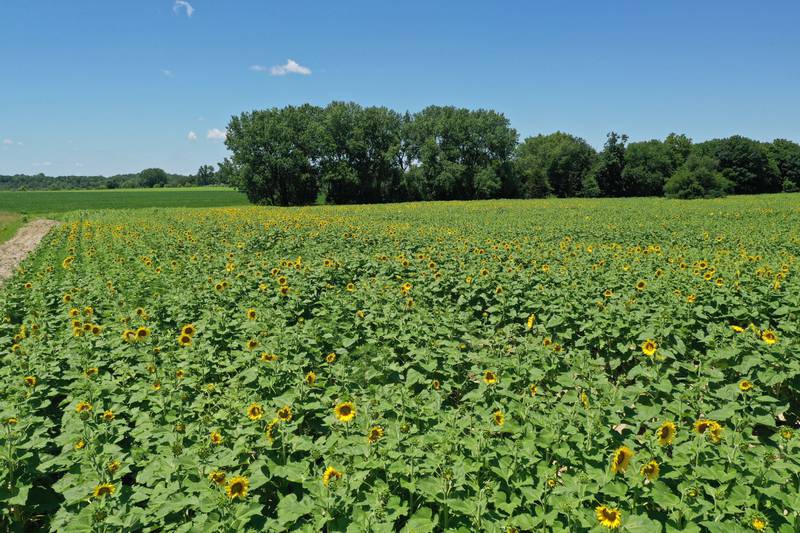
{"type": "Point", "coordinates": [508, 366]}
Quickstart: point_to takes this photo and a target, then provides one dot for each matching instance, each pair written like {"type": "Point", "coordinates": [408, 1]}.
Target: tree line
{"type": "Point", "coordinates": [346, 153]}
{"type": "Point", "coordinates": [147, 178]}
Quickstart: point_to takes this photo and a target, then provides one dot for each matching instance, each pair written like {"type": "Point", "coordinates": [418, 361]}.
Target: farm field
{"type": "Point", "coordinates": [9, 224]}
{"type": "Point", "coordinates": [520, 365]}
{"type": "Point", "coordinates": [50, 202]}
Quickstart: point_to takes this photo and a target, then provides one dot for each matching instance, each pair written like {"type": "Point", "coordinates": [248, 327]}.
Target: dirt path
{"type": "Point", "coordinates": [13, 251]}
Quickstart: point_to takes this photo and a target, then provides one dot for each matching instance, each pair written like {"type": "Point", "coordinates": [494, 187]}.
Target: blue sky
{"type": "Point", "coordinates": [105, 87]}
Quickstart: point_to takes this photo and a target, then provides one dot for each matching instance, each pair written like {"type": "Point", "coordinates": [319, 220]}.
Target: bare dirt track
{"type": "Point", "coordinates": [13, 251]}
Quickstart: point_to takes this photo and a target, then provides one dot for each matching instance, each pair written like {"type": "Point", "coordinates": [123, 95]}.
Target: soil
{"type": "Point", "coordinates": [13, 251]}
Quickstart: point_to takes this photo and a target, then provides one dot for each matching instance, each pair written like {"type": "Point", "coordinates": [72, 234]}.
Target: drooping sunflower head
{"type": "Point", "coordinates": [268, 357]}
{"type": "Point", "coordinates": [436, 384]}
{"type": "Point", "coordinates": [30, 381]}
{"type": "Point", "coordinates": [621, 459]}
{"type": "Point", "coordinates": [375, 434]}
{"type": "Point", "coordinates": [217, 476]}
{"type": "Point", "coordinates": [649, 347]}
{"type": "Point", "coordinates": [311, 378]}
{"type": "Point", "coordinates": [104, 489]}
{"type": "Point", "coordinates": [83, 407]}
{"type": "Point", "coordinates": [285, 414]}
{"type": "Point", "coordinates": [345, 411]}
{"type": "Point", "coordinates": [113, 466]}
{"type": "Point", "coordinates": [650, 470]}
{"type": "Point", "coordinates": [533, 389]}
{"type": "Point", "coordinates": [237, 487]}
{"type": "Point", "coordinates": [498, 418]}
{"type": "Point", "coordinates": [330, 474]}
{"type": "Point", "coordinates": [108, 415]}
{"type": "Point", "coordinates": [330, 358]}
{"type": "Point", "coordinates": [489, 377]}
{"type": "Point", "coordinates": [666, 433]}
{"type": "Point", "coordinates": [255, 411]}
{"type": "Point", "coordinates": [270, 432]}
{"type": "Point", "coordinates": [608, 516]}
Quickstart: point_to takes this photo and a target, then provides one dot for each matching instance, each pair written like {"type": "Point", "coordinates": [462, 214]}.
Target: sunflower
{"type": "Point", "coordinates": [284, 290]}
{"type": "Point", "coordinates": [489, 377]}
{"type": "Point", "coordinates": [270, 431]}
{"type": "Point", "coordinates": [108, 415]}
{"type": "Point", "coordinates": [156, 386]}
{"type": "Point", "coordinates": [179, 374]}
{"type": "Point", "coordinates": [113, 466]}
{"type": "Point", "coordinates": [666, 433]}
{"type": "Point", "coordinates": [330, 358]}
{"type": "Point", "coordinates": [251, 314]}
{"type": "Point", "coordinates": [585, 399]}
{"type": "Point", "coordinates": [217, 476]}
{"type": "Point", "coordinates": [769, 336]}
{"type": "Point", "coordinates": [216, 438]}
{"type": "Point", "coordinates": [252, 344]}
{"type": "Point", "coordinates": [142, 333]}
{"type": "Point", "coordinates": [710, 428]}
{"type": "Point", "coordinates": [758, 523]}
{"type": "Point", "coordinates": [745, 385]}
{"type": "Point", "coordinates": [498, 418]}
{"type": "Point", "coordinates": [649, 347]}
{"type": "Point", "coordinates": [691, 298]}
{"type": "Point", "coordinates": [436, 384]}
{"type": "Point", "coordinates": [78, 445]}
{"type": "Point", "coordinates": [375, 434]}
{"type": "Point", "coordinates": [83, 407]}
{"type": "Point", "coordinates": [530, 322]}
{"type": "Point", "coordinates": [30, 381]}
{"type": "Point", "coordinates": [283, 281]}
{"type": "Point", "coordinates": [255, 411]}
{"type": "Point", "coordinates": [73, 312]}
{"type": "Point", "coordinates": [650, 470]}
{"type": "Point", "coordinates": [96, 329]}
{"type": "Point", "coordinates": [285, 413]}
{"type": "Point", "coordinates": [608, 293]}
{"type": "Point", "coordinates": [268, 357]}
{"type": "Point", "coordinates": [331, 474]}
{"type": "Point", "coordinates": [345, 411]}
{"type": "Point", "coordinates": [608, 516]}
{"type": "Point", "coordinates": [621, 459]}
{"type": "Point", "coordinates": [533, 389]}
{"type": "Point", "coordinates": [737, 329]}
{"type": "Point", "coordinates": [104, 489]}
{"type": "Point", "coordinates": [640, 285]}
{"type": "Point", "coordinates": [237, 487]}
{"type": "Point", "coordinates": [189, 330]}
{"type": "Point", "coordinates": [128, 335]}
{"type": "Point", "coordinates": [787, 433]}
{"type": "Point", "coordinates": [184, 340]}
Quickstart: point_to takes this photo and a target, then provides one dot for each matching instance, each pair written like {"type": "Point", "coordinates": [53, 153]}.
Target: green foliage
{"type": "Point", "coordinates": [697, 178]}
{"type": "Point", "coordinates": [600, 320]}
{"type": "Point", "coordinates": [564, 161]}
{"type": "Point", "coordinates": [648, 165]}
{"type": "Point", "coordinates": [744, 162]}
{"type": "Point", "coordinates": [607, 172]}
{"type": "Point", "coordinates": [786, 155]}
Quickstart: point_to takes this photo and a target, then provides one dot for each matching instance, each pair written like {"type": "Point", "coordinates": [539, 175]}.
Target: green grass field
{"type": "Point", "coordinates": [53, 202]}
{"type": "Point", "coordinates": [9, 223]}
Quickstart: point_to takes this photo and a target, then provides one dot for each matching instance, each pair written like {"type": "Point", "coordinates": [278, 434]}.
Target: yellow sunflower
{"type": "Point", "coordinates": [489, 377]}
{"type": "Point", "coordinates": [345, 411]}
{"type": "Point", "coordinates": [189, 330]}
{"type": "Point", "coordinates": [285, 413]}
{"type": "Point", "coordinates": [270, 432]}
{"type": "Point", "coordinates": [330, 358]}
{"type": "Point", "coordinates": [758, 523]}
{"type": "Point", "coordinates": [498, 418]}
{"type": "Point", "coordinates": [30, 381]}
{"type": "Point", "coordinates": [108, 415]}
{"type": "Point", "coordinates": [104, 489]}
{"type": "Point", "coordinates": [217, 476]}
{"type": "Point", "coordinates": [184, 340]}
{"type": "Point", "coordinates": [745, 385]}
{"type": "Point", "coordinates": [666, 433]}
{"type": "Point", "coordinates": [650, 470]}
{"type": "Point", "coordinates": [608, 516]}
{"type": "Point", "coordinates": [621, 459]}
{"type": "Point", "coordinates": [237, 487]}
{"type": "Point", "coordinates": [251, 314]}
{"type": "Point", "coordinates": [769, 336]}
{"type": "Point", "coordinates": [330, 474]}
{"type": "Point", "coordinates": [649, 347]}
{"type": "Point", "coordinates": [83, 407]}
{"type": "Point", "coordinates": [216, 438]}
{"type": "Point", "coordinates": [311, 378]}
{"type": "Point", "coordinates": [375, 434]}
{"type": "Point", "coordinates": [255, 411]}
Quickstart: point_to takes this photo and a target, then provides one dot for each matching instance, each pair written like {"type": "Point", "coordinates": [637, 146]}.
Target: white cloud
{"type": "Point", "coordinates": [43, 164]}
{"type": "Point", "coordinates": [185, 5]}
{"type": "Point", "coordinates": [191, 136]}
{"type": "Point", "coordinates": [215, 134]}
{"type": "Point", "coordinates": [79, 164]}
{"type": "Point", "coordinates": [167, 72]}
{"type": "Point", "coordinates": [7, 141]}
{"type": "Point", "coordinates": [291, 67]}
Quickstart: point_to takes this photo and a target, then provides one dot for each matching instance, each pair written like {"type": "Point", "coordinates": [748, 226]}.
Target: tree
{"type": "Point", "coordinates": [785, 155]}
{"type": "Point", "coordinates": [610, 165]}
{"type": "Point", "coordinates": [205, 175]}
{"type": "Point", "coordinates": [153, 177]}
{"type": "Point", "coordinates": [564, 159]}
{"type": "Point", "coordinates": [697, 178]}
{"type": "Point", "coordinates": [744, 162]}
{"type": "Point", "coordinates": [648, 165]}
{"type": "Point", "coordinates": [276, 154]}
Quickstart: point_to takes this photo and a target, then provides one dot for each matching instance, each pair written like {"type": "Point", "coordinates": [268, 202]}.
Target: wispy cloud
{"type": "Point", "coordinates": [7, 142]}
{"type": "Point", "coordinates": [216, 134]}
{"type": "Point", "coordinates": [291, 67]}
{"type": "Point", "coordinates": [42, 164]}
{"type": "Point", "coordinates": [167, 72]}
{"type": "Point", "coordinates": [191, 136]}
{"type": "Point", "coordinates": [183, 4]}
